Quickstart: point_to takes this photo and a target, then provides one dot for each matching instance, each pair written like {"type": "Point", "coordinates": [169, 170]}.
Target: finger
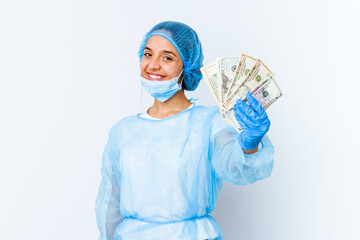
{"type": "Point", "coordinates": [243, 117]}
{"type": "Point", "coordinates": [242, 120]}
{"type": "Point", "coordinates": [252, 120]}
{"type": "Point", "coordinates": [255, 104]}
{"type": "Point", "coordinates": [245, 108]}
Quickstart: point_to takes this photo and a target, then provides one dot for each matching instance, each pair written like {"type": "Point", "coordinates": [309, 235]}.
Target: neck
{"type": "Point", "coordinates": [172, 106]}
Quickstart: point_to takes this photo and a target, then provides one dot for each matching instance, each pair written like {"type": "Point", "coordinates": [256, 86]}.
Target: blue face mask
{"type": "Point", "coordinates": [161, 90]}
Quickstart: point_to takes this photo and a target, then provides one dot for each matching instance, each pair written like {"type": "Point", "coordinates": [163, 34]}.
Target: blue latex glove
{"type": "Point", "coordinates": [253, 120]}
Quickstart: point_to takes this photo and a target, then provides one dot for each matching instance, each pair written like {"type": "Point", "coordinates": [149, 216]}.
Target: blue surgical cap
{"type": "Point", "coordinates": [188, 45]}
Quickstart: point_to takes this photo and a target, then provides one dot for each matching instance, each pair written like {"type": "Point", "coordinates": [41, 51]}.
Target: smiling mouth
{"type": "Point", "coordinates": [154, 77]}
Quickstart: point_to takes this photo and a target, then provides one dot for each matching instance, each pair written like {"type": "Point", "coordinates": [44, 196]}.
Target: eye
{"type": "Point", "coordinates": [168, 58]}
{"type": "Point", "coordinates": [147, 54]}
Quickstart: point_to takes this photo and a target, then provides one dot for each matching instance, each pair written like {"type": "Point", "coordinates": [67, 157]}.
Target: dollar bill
{"type": "Point", "coordinates": [245, 64]}
{"type": "Point", "coordinates": [267, 92]}
{"type": "Point", "coordinates": [230, 117]}
{"type": "Point", "coordinates": [230, 78]}
{"type": "Point", "coordinates": [210, 75]}
{"type": "Point", "coordinates": [226, 72]}
{"type": "Point", "coordinates": [258, 74]}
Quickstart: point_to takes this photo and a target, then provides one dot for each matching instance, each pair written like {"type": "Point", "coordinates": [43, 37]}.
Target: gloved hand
{"type": "Point", "coordinates": [253, 120]}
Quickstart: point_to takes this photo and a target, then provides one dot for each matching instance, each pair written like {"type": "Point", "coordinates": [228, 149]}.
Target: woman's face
{"type": "Point", "coordinates": [160, 60]}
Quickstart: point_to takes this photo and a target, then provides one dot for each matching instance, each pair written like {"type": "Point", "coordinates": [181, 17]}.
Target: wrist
{"type": "Point", "coordinates": [248, 143]}
{"type": "Point", "coordinates": [252, 151]}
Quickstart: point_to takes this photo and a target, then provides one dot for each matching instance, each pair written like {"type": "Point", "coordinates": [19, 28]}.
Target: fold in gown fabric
{"type": "Point", "coordinates": [161, 178]}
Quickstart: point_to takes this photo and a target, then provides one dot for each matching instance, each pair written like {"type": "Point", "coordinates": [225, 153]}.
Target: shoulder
{"type": "Point", "coordinates": [207, 111]}
{"type": "Point", "coordinates": [210, 118]}
{"type": "Point", "coordinates": [123, 124]}
{"type": "Point", "coordinates": [121, 130]}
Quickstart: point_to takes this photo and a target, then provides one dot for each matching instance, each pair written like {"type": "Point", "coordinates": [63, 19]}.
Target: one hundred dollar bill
{"type": "Point", "coordinates": [226, 72]}
{"type": "Point", "coordinates": [245, 64]}
{"type": "Point", "coordinates": [258, 74]}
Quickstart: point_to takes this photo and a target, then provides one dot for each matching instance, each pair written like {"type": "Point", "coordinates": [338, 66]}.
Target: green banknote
{"type": "Point", "coordinates": [226, 72]}
{"type": "Point", "coordinates": [210, 75]}
{"type": "Point", "coordinates": [267, 92]}
{"type": "Point", "coordinates": [245, 64]}
{"type": "Point", "coordinates": [258, 74]}
{"type": "Point", "coordinates": [230, 78]}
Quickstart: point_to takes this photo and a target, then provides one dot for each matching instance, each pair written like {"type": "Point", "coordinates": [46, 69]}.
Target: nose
{"type": "Point", "coordinates": [154, 63]}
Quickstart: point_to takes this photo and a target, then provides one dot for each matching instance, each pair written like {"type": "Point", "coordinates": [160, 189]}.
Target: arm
{"type": "Point", "coordinates": [108, 200]}
{"type": "Point", "coordinates": [229, 160]}
{"type": "Point", "coordinates": [236, 156]}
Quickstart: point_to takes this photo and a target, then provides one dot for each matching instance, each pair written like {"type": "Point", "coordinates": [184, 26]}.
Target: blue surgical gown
{"type": "Point", "coordinates": [161, 178]}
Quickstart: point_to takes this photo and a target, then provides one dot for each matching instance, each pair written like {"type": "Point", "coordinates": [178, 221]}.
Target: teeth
{"type": "Point", "coordinates": [153, 76]}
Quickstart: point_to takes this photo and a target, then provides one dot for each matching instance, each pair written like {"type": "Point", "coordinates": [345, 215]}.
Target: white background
{"type": "Point", "coordinates": [69, 70]}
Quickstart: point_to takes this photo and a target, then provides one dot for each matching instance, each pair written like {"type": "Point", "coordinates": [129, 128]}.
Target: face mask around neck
{"type": "Point", "coordinates": [162, 90]}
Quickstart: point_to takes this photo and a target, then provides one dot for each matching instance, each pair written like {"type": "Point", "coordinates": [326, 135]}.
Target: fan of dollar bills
{"type": "Point", "coordinates": [230, 78]}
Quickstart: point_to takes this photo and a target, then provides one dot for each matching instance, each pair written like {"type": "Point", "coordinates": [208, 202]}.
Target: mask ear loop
{"type": "Point", "coordinates": [182, 77]}
{"type": "Point", "coordinates": [141, 99]}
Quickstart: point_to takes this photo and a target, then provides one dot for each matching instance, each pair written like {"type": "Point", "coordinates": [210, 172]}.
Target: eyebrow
{"type": "Point", "coordinates": [166, 51]}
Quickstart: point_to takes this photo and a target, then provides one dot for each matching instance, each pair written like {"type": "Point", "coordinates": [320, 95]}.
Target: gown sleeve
{"type": "Point", "coordinates": [108, 200]}
{"type": "Point", "coordinates": [230, 162]}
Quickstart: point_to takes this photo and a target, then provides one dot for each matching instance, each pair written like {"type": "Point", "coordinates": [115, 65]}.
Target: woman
{"type": "Point", "coordinates": [163, 169]}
